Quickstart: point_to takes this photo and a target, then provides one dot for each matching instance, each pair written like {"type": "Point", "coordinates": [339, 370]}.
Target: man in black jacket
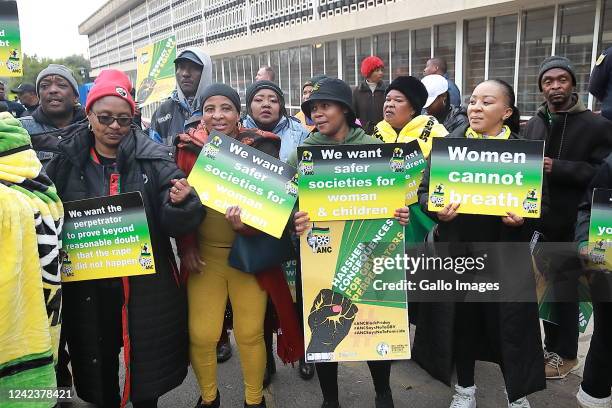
{"type": "Point", "coordinates": [600, 83]}
{"type": "Point", "coordinates": [15, 108]}
{"type": "Point", "coordinates": [577, 141]}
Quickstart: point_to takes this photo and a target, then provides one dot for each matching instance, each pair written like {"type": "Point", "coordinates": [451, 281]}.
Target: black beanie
{"type": "Point", "coordinates": [556, 62]}
{"type": "Point", "coordinates": [331, 89]}
{"type": "Point", "coordinates": [255, 87]}
{"type": "Point", "coordinates": [413, 90]}
{"type": "Point", "coordinates": [222, 90]}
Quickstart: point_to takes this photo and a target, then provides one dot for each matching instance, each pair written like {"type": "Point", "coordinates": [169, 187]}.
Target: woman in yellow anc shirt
{"type": "Point", "coordinates": [405, 98]}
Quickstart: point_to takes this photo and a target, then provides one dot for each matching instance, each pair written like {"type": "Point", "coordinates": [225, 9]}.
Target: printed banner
{"type": "Point", "coordinates": [415, 165]}
{"type": "Point", "coordinates": [11, 64]}
{"type": "Point", "coordinates": [155, 72]}
{"type": "Point", "coordinates": [600, 230]}
{"type": "Point", "coordinates": [354, 310]}
{"type": "Point", "coordinates": [290, 271]}
{"type": "Point", "coordinates": [350, 182]}
{"type": "Point", "coordinates": [106, 237]}
{"type": "Point", "coordinates": [487, 176]}
{"type": "Point", "coordinates": [229, 173]}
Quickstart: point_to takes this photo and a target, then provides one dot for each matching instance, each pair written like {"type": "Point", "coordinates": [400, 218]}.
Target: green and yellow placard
{"type": "Point", "coordinates": [354, 310]}
{"type": "Point", "coordinates": [350, 182]}
{"type": "Point", "coordinates": [229, 173]}
{"type": "Point", "coordinates": [487, 176]}
{"type": "Point", "coordinates": [415, 163]}
{"type": "Point", "coordinates": [600, 230]}
{"type": "Point", "coordinates": [106, 237]}
{"type": "Point", "coordinates": [155, 72]}
{"type": "Point", "coordinates": [11, 64]}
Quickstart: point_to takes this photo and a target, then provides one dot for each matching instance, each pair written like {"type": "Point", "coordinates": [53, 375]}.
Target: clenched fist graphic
{"type": "Point", "coordinates": [330, 320]}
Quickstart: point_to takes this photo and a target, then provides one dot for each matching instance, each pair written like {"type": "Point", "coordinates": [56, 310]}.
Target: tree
{"type": "Point", "coordinates": [32, 65]}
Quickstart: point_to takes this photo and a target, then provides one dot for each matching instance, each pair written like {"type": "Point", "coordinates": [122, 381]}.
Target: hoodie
{"type": "Point", "coordinates": [290, 131]}
{"type": "Point", "coordinates": [577, 141]}
{"type": "Point", "coordinates": [170, 118]}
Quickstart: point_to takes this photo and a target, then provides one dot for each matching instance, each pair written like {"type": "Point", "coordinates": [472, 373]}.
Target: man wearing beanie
{"type": "Point", "coordinates": [193, 71]}
{"type": "Point", "coordinates": [266, 111]}
{"type": "Point", "coordinates": [577, 142]}
{"type": "Point", "coordinates": [369, 96]}
{"type": "Point", "coordinates": [16, 109]}
{"type": "Point", "coordinates": [59, 107]}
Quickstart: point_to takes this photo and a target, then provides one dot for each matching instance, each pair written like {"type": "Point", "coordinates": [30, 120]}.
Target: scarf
{"type": "Point", "coordinates": [503, 135]}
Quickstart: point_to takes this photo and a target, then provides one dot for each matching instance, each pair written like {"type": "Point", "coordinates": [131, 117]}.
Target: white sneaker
{"type": "Point", "coordinates": [586, 401]}
{"type": "Point", "coordinates": [464, 397]}
{"type": "Point", "coordinates": [519, 403]}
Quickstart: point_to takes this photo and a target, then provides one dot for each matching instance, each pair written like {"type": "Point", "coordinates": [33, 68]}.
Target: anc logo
{"type": "Point", "coordinates": [530, 203]}
{"type": "Point", "coordinates": [598, 252]}
{"type": "Point", "coordinates": [437, 198]}
{"type": "Point", "coordinates": [145, 259]}
{"type": "Point", "coordinates": [306, 165]}
{"type": "Point", "coordinates": [66, 264]}
{"type": "Point", "coordinates": [382, 349]}
{"type": "Point", "coordinates": [397, 161]}
{"type": "Point", "coordinates": [211, 149]}
{"type": "Point", "coordinates": [291, 186]}
{"type": "Point", "coordinates": [319, 240]}
{"type": "Point", "coordinates": [122, 92]}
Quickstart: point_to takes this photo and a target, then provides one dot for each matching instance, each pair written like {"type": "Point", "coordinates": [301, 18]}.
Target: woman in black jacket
{"type": "Point", "coordinates": [146, 315]}
{"type": "Point", "coordinates": [506, 333]}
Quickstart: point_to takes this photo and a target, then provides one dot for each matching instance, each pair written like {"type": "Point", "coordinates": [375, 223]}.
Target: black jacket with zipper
{"type": "Point", "coordinates": [368, 105]}
{"type": "Point", "coordinates": [157, 309]}
{"type": "Point", "coordinates": [578, 141]}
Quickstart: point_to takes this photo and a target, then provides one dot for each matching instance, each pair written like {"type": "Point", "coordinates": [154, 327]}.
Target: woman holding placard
{"type": "Point", "coordinates": [212, 280]}
{"type": "Point", "coordinates": [506, 333]}
{"type": "Point", "coordinates": [147, 314]}
{"type": "Point", "coordinates": [405, 98]}
{"type": "Point", "coordinates": [330, 108]}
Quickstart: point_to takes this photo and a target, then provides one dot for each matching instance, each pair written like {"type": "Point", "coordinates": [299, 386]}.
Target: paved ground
{"type": "Point", "coordinates": [412, 387]}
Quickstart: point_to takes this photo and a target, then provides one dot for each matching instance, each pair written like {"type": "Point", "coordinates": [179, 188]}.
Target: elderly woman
{"type": "Point", "coordinates": [212, 281]}
{"type": "Point", "coordinates": [146, 315]}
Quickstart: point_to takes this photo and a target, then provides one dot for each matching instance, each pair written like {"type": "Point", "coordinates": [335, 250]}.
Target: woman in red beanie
{"type": "Point", "coordinates": [369, 96]}
{"type": "Point", "coordinates": [145, 315]}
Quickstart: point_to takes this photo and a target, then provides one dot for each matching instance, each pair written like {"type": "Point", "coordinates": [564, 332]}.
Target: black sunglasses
{"type": "Point", "coordinates": [108, 120]}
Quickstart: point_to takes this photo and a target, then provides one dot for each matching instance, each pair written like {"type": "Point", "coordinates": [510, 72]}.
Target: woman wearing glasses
{"type": "Point", "coordinates": [146, 315]}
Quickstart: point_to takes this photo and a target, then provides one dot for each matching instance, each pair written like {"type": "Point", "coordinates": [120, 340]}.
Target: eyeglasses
{"type": "Point", "coordinates": [108, 120]}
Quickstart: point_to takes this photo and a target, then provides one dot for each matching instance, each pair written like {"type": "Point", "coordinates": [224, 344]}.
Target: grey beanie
{"type": "Point", "coordinates": [222, 90]}
{"type": "Point", "coordinates": [556, 62]}
{"type": "Point", "coordinates": [61, 70]}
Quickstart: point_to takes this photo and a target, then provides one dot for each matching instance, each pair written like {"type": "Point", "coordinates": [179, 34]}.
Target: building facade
{"type": "Point", "coordinates": [480, 39]}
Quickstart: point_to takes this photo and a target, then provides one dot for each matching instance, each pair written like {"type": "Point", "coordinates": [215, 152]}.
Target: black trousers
{"type": "Point", "coordinates": [597, 377]}
{"type": "Point", "coordinates": [110, 302]}
{"type": "Point", "coordinates": [328, 378]}
{"type": "Point", "coordinates": [563, 338]}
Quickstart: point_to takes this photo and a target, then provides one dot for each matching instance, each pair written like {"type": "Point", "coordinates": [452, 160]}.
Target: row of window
{"type": "Point", "coordinates": [509, 47]}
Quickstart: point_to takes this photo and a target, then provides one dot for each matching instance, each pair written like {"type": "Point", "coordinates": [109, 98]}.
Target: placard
{"type": "Point", "coordinates": [11, 64]}
{"type": "Point", "coordinates": [351, 182]}
{"type": "Point", "coordinates": [600, 230]}
{"type": "Point", "coordinates": [229, 173]}
{"type": "Point", "coordinates": [106, 237]}
{"type": "Point", "coordinates": [155, 71]}
{"type": "Point", "coordinates": [354, 310]}
{"type": "Point", "coordinates": [487, 176]}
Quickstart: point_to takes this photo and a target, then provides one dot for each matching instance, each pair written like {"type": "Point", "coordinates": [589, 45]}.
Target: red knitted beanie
{"type": "Point", "coordinates": [371, 64]}
{"type": "Point", "coordinates": [110, 82]}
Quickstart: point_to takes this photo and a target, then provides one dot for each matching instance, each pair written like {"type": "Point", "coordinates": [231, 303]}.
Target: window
{"type": "Point", "coordinates": [444, 45]}
{"type": "Point", "coordinates": [274, 63]}
{"type": "Point", "coordinates": [249, 66]}
{"type": "Point", "coordinates": [474, 48]}
{"type": "Point", "coordinates": [331, 58]}
{"type": "Point", "coordinates": [605, 39]}
{"type": "Point", "coordinates": [283, 79]}
{"type": "Point", "coordinates": [381, 50]}
{"type": "Point", "coordinates": [400, 54]}
{"type": "Point", "coordinates": [421, 50]}
{"type": "Point", "coordinates": [575, 40]}
{"type": "Point", "coordinates": [536, 45]}
{"type": "Point", "coordinates": [363, 50]}
{"type": "Point", "coordinates": [318, 60]}
{"type": "Point", "coordinates": [294, 94]}
{"type": "Point", "coordinates": [226, 71]}
{"type": "Point", "coordinates": [348, 61]}
{"type": "Point", "coordinates": [502, 49]}
{"type": "Point", "coordinates": [305, 71]}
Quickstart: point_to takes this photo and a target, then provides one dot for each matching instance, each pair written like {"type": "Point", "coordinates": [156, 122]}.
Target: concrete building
{"type": "Point", "coordinates": [480, 39]}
